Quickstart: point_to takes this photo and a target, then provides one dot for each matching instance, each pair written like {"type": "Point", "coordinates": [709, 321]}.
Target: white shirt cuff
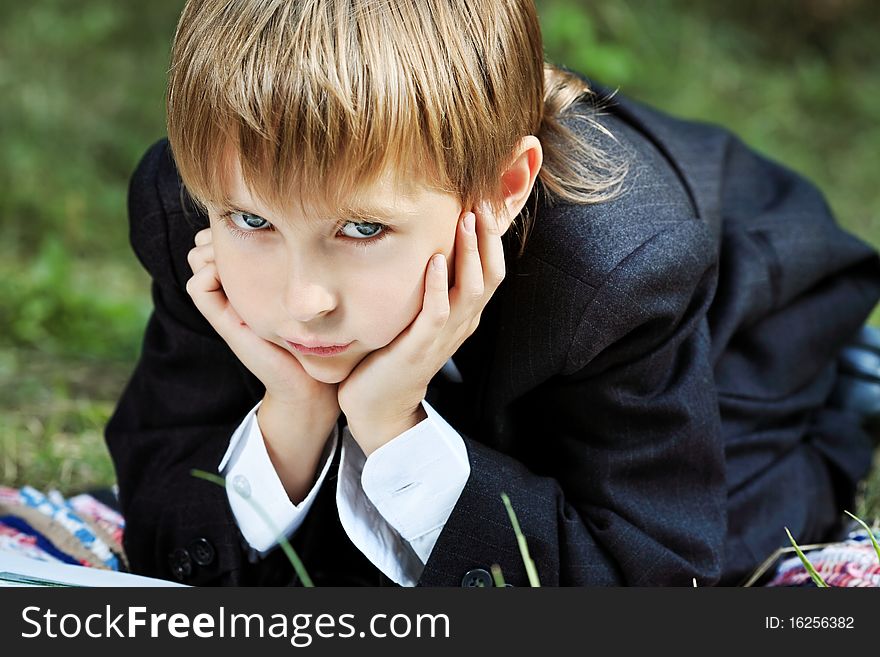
{"type": "Point", "coordinates": [394, 504]}
{"type": "Point", "coordinates": [255, 482]}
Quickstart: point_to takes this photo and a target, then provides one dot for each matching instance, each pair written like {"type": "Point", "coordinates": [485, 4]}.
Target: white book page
{"type": "Point", "coordinates": [16, 570]}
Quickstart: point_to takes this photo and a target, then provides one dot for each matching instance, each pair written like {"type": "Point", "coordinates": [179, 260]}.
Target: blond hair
{"type": "Point", "coordinates": [321, 98]}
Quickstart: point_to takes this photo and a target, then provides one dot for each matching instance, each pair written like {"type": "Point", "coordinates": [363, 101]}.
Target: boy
{"type": "Point", "coordinates": [645, 376]}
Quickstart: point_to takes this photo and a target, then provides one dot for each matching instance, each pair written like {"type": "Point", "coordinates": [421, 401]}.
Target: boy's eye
{"type": "Point", "coordinates": [248, 222]}
{"type": "Point", "coordinates": [245, 225]}
{"type": "Point", "coordinates": [362, 229]}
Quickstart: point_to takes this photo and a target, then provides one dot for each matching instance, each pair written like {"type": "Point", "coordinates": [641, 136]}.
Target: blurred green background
{"type": "Point", "coordinates": [82, 84]}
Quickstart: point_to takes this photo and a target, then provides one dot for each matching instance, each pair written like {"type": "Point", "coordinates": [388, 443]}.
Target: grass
{"type": "Point", "coordinates": [531, 570]}
{"type": "Point", "coordinates": [289, 552]}
{"type": "Point", "coordinates": [814, 574]}
{"type": "Point", "coordinates": [83, 92]}
{"type": "Point", "coordinates": [52, 416]}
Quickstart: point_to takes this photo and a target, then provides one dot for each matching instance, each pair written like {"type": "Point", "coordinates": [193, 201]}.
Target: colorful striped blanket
{"type": "Point", "coordinates": [81, 530]}
{"type": "Point", "coordinates": [850, 563]}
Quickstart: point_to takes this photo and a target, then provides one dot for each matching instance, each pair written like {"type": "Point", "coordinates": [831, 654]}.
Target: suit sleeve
{"type": "Point", "coordinates": [627, 440]}
{"type": "Point", "coordinates": [186, 397]}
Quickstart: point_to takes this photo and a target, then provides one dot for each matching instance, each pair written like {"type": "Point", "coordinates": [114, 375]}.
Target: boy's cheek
{"type": "Point", "coordinates": [243, 295]}
{"type": "Point", "coordinates": [233, 270]}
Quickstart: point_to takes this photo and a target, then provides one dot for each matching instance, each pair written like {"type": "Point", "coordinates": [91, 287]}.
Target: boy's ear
{"type": "Point", "coordinates": [519, 178]}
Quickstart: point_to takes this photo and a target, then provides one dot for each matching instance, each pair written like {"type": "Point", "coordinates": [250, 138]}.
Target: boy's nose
{"type": "Point", "coordinates": [307, 290]}
{"type": "Point", "coordinates": [304, 301]}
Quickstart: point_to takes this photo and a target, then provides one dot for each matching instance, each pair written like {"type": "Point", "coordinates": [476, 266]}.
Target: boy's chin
{"type": "Point", "coordinates": [332, 370]}
{"type": "Point", "coordinates": [328, 375]}
{"type": "Point", "coordinates": [330, 379]}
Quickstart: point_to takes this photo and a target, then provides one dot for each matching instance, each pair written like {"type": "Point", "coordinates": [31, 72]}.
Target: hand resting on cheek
{"type": "Point", "coordinates": [381, 398]}
{"type": "Point", "coordinates": [298, 412]}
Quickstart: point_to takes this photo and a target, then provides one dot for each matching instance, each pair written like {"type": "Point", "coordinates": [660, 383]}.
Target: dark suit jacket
{"type": "Point", "coordinates": [647, 384]}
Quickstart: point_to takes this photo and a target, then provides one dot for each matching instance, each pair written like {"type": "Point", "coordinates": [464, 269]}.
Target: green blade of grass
{"type": "Point", "coordinates": [817, 578]}
{"type": "Point", "coordinates": [497, 576]}
{"type": "Point", "coordinates": [867, 529]}
{"type": "Point", "coordinates": [531, 571]}
{"type": "Point", "coordinates": [292, 556]}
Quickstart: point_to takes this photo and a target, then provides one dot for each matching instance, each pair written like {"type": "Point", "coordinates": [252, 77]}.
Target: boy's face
{"type": "Point", "coordinates": [360, 281]}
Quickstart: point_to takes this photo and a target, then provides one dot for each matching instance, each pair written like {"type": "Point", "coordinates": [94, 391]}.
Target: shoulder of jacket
{"type": "Point", "coordinates": [646, 296]}
{"type": "Point", "coordinates": [162, 217]}
{"type": "Point", "coordinates": [144, 197]}
{"type": "Point", "coordinates": [587, 242]}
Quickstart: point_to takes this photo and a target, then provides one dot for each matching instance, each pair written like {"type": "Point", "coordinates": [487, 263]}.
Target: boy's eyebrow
{"type": "Point", "coordinates": [376, 212]}
{"type": "Point", "coordinates": [356, 212]}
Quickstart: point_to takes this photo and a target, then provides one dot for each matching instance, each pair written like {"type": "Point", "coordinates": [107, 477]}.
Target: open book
{"type": "Point", "coordinates": [16, 570]}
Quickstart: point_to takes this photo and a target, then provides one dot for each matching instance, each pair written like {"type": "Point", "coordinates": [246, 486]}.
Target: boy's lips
{"type": "Point", "coordinates": [317, 349]}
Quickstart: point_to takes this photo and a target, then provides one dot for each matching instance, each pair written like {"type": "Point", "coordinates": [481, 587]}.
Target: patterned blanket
{"type": "Point", "coordinates": [850, 563]}
{"type": "Point", "coordinates": [81, 530]}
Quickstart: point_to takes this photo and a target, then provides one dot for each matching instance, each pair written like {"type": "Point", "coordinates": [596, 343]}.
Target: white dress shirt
{"type": "Point", "coordinates": [393, 505]}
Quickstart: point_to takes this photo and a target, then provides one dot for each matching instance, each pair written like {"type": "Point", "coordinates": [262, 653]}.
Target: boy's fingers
{"type": "Point", "coordinates": [437, 292]}
{"type": "Point", "coordinates": [491, 248]}
{"type": "Point", "coordinates": [469, 284]}
{"type": "Point", "coordinates": [418, 340]}
{"type": "Point", "coordinates": [209, 297]}
{"type": "Point", "coordinates": [203, 237]}
{"type": "Point", "coordinates": [199, 256]}
{"type": "Point", "coordinates": [207, 294]}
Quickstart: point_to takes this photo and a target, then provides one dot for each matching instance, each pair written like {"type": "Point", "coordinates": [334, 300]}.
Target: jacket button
{"type": "Point", "coordinates": [477, 577]}
{"type": "Point", "coordinates": [180, 563]}
{"type": "Point", "coordinates": [202, 551]}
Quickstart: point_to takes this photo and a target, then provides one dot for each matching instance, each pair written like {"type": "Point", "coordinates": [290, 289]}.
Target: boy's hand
{"type": "Point", "coordinates": [381, 398]}
{"type": "Point", "coordinates": [285, 379]}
